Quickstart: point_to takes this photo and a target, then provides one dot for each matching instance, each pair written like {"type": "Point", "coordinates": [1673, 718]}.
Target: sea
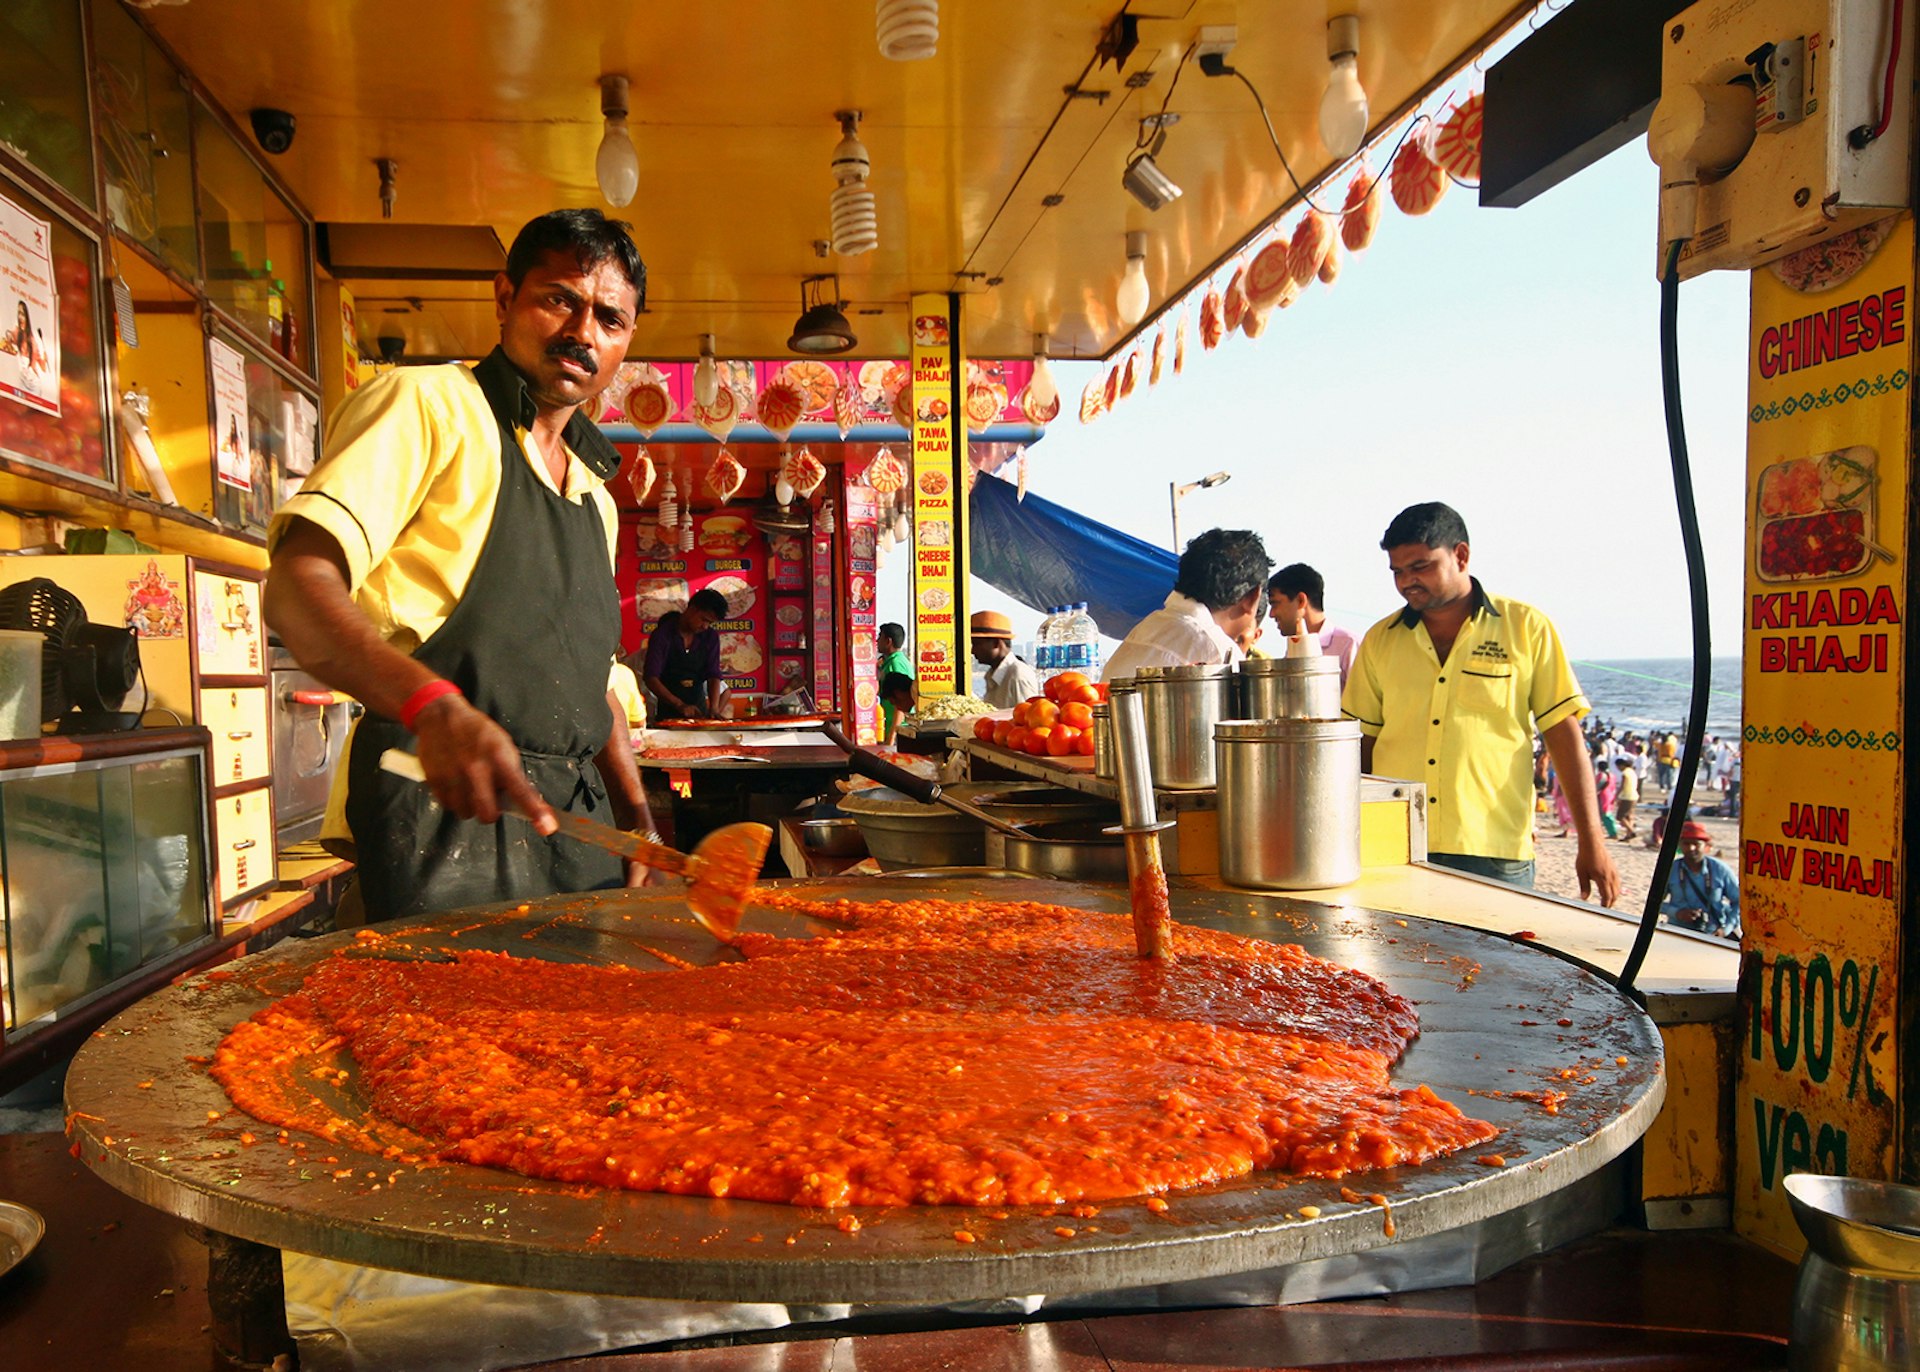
{"type": "Point", "coordinates": [1639, 694]}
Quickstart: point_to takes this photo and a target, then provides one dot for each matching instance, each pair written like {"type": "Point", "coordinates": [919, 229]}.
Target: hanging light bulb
{"type": "Point", "coordinates": [827, 523]}
{"type": "Point", "coordinates": [783, 490]}
{"type": "Point", "coordinates": [706, 375]}
{"type": "Point", "coordinates": [856, 223]}
{"type": "Point", "coordinates": [686, 525]}
{"type": "Point", "coordinates": [669, 515]}
{"type": "Point", "coordinates": [1131, 300]}
{"type": "Point", "coordinates": [902, 527]}
{"type": "Point", "coordinates": [1343, 109]}
{"type": "Point", "coordinates": [907, 30]}
{"type": "Point", "coordinates": [616, 166]}
{"type": "Point", "coordinates": [1041, 388]}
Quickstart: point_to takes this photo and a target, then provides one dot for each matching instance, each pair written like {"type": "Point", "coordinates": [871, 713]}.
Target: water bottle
{"type": "Point", "coordinates": [1086, 642]}
{"type": "Point", "coordinates": [1046, 644]}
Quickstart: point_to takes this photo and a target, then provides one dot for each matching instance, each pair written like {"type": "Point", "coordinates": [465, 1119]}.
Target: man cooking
{"type": "Point", "coordinates": [487, 656]}
{"type": "Point", "coordinates": [683, 658]}
{"type": "Point", "coordinates": [1010, 678]}
{"type": "Point", "coordinates": [1450, 690]}
{"type": "Point", "coordinates": [1215, 599]}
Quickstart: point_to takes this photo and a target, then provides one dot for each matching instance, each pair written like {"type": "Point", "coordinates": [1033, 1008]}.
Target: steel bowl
{"type": "Point", "coordinates": [832, 837]}
{"type": "Point", "coordinates": [21, 1230]}
{"type": "Point", "coordinates": [1070, 850]}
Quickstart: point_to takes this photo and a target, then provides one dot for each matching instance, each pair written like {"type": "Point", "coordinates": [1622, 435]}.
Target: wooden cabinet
{"type": "Point", "coordinates": [203, 651]}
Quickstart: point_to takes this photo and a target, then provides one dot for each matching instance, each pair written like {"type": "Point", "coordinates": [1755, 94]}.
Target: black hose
{"type": "Point", "coordinates": [1697, 599]}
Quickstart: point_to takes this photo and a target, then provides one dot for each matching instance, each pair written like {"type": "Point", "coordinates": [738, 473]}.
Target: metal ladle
{"type": "Point", "coordinates": [1139, 825]}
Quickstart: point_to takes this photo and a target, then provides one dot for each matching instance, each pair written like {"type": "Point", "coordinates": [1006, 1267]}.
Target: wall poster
{"type": "Point", "coordinates": [232, 441]}
{"type": "Point", "coordinates": [29, 312]}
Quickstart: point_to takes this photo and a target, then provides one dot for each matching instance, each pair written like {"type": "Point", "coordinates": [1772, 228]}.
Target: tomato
{"type": "Point", "coordinates": [1101, 690]}
{"type": "Point", "coordinates": [1020, 712]}
{"type": "Point", "coordinates": [1085, 695]}
{"type": "Point", "coordinates": [1002, 730]}
{"type": "Point", "coordinates": [1042, 713]}
{"type": "Point", "coordinates": [1036, 741]}
{"type": "Point", "coordinates": [983, 728]}
{"type": "Point", "coordinates": [1062, 741]}
{"type": "Point", "coordinates": [1060, 685]}
{"type": "Point", "coordinates": [1084, 744]}
{"type": "Point", "coordinates": [1077, 714]}
{"type": "Point", "coordinates": [1017, 739]}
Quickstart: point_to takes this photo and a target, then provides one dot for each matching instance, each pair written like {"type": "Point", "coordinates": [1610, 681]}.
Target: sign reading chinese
{"type": "Point", "coordinates": [1821, 854]}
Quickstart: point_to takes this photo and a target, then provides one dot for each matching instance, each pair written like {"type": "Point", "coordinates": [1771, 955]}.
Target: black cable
{"type": "Point", "coordinates": [1697, 599]}
{"type": "Point", "coordinates": [1145, 135]}
{"type": "Point", "coordinates": [1274, 138]}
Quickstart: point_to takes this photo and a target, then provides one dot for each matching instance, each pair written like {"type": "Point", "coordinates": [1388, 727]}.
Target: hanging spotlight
{"type": "Point", "coordinates": [907, 30]}
{"type": "Point", "coordinates": [1343, 109]}
{"type": "Point", "coordinates": [1041, 388]}
{"type": "Point", "coordinates": [1143, 178]}
{"type": "Point", "coordinates": [821, 328]}
{"type": "Point", "coordinates": [616, 166]}
{"type": "Point", "coordinates": [856, 223]}
{"type": "Point", "coordinates": [706, 376]}
{"type": "Point", "coordinates": [1131, 300]}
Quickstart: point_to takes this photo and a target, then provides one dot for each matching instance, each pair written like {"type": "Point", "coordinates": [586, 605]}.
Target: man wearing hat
{"type": "Point", "coordinates": [1702, 892]}
{"type": "Point", "coordinates": [1010, 679]}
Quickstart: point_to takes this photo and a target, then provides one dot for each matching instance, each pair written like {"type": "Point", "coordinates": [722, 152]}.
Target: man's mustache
{"type": "Point", "coordinates": [572, 352]}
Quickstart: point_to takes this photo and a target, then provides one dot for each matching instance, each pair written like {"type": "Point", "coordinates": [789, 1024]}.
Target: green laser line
{"type": "Point", "coordinates": [1648, 676]}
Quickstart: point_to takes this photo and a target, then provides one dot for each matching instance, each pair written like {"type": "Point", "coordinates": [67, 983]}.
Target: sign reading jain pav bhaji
{"type": "Point", "coordinates": [1820, 855]}
{"type": "Point", "coordinates": [936, 501]}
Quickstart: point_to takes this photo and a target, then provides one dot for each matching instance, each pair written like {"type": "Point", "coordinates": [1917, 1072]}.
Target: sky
{"type": "Point", "coordinates": [1503, 361]}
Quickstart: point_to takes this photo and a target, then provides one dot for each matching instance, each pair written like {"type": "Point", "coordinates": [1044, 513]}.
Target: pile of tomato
{"type": "Point", "coordinates": [1056, 724]}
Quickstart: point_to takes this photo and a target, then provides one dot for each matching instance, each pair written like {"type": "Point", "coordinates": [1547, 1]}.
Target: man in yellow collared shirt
{"type": "Point", "coordinates": [450, 564]}
{"type": "Point", "coordinates": [1450, 690]}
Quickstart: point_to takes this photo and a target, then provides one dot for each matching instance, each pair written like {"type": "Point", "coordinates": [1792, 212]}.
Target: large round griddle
{"type": "Point", "coordinates": [1489, 1012]}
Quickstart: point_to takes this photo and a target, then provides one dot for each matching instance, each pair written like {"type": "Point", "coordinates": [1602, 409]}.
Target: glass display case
{"type": "Point", "coordinates": [103, 866]}
{"type": "Point", "coordinates": [145, 121]}
{"type": "Point", "coordinates": [43, 92]}
{"type": "Point", "coordinates": [257, 245]}
{"type": "Point", "coordinates": [52, 416]}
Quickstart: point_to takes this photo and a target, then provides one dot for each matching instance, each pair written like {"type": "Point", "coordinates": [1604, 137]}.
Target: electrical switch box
{"type": "Point", "coordinates": [1818, 76]}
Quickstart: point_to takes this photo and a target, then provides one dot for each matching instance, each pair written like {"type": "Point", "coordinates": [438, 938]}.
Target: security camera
{"type": "Point", "coordinates": [1149, 185]}
{"type": "Point", "coordinates": [392, 348]}
{"type": "Point", "coordinates": [274, 129]}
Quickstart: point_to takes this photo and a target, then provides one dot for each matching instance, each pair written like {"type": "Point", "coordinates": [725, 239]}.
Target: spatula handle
{"type": "Point", "coordinates": [876, 768]}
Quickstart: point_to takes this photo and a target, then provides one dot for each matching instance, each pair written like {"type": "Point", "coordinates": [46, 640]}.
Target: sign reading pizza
{"type": "Point", "coordinates": [938, 495]}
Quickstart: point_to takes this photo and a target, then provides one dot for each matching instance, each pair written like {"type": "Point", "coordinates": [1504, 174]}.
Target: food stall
{"type": "Point", "coordinates": [247, 221]}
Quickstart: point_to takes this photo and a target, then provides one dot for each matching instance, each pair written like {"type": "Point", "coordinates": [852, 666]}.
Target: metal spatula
{"type": "Point", "coordinates": [720, 871]}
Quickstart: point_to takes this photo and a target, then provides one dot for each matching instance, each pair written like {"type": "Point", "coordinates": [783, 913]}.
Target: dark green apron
{"type": "Point", "coordinates": [530, 643]}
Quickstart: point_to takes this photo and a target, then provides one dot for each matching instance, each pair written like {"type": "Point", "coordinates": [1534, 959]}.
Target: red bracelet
{"type": "Point", "coordinates": [424, 697]}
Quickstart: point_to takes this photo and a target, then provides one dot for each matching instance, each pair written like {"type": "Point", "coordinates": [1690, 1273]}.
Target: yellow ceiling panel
{"type": "Point", "coordinates": [491, 109]}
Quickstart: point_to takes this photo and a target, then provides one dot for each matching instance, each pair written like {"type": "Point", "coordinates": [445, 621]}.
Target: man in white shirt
{"type": "Point", "coordinates": [1010, 679]}
{"type": "Point", "coordinates": [1296, 593]}
{"type": "Point", "coordinates": [1216, 598]}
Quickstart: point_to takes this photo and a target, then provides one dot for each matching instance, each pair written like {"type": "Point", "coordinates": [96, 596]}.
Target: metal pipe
{"type": "Point", "coordinates": [1133, 772]}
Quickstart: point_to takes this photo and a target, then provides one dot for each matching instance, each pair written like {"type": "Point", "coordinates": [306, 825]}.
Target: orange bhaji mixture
{"type": "Point", "coordinates": [929, 1052]}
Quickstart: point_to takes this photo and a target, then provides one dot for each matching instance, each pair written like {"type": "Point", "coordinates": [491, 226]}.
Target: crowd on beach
{"type": "Point", "coordinates": [1629, 769]}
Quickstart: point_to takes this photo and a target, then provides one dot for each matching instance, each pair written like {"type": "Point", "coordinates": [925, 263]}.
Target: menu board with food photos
{"type": "Point", "coordinates": [730, 555]}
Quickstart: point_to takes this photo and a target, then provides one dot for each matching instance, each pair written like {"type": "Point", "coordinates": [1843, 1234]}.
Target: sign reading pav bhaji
{"type": "Point", "coordinates": [1820, 858]}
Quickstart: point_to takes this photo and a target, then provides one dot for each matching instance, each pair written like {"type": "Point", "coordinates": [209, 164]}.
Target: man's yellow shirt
{"type": "Point", "coordinates": [1465, 727]}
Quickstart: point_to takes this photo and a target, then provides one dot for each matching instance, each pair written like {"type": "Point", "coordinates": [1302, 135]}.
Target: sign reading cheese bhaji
{"type": "Point", "coordinates": [1821, 854]}
{"type": "Point", "coordinates": [936, 502]}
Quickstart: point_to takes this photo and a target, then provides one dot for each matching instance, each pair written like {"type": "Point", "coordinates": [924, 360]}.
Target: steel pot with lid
{"type": "Point", "coordinates": [1182, 706]}
{"type": "Point", "coordinates": [1289, 802]}
{"type": "Point", "coordinates": [1291, 687]}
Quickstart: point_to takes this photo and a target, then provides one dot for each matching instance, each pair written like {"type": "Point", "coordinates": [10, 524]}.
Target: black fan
{"type": "Point", "coordinates": [86, 670]}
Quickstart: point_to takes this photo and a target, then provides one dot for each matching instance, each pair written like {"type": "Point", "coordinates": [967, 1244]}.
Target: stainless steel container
{"type": "Point", "coordinates": [1182, 706]}
{"type": "Point", "coordinates": [1070, 849]}
{"type": "Point", "coordinates": [1030, 803]}
{"type": "Point", "coordinates": [1103, 740]}
{"type": "Point", "coordinates": [1856, 1301]}
{"type": "Point", "coordinates": [1289, 802]}
{"type": "Point", "coordinates": [1291, 687]}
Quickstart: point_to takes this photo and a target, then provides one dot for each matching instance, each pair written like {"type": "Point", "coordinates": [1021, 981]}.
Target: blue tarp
{"type": "Point", "coordinates": [1043, 554]}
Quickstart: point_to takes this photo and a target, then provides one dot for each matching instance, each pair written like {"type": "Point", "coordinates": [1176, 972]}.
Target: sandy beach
{"type": "Point", "coordinates": [1553, 857]}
